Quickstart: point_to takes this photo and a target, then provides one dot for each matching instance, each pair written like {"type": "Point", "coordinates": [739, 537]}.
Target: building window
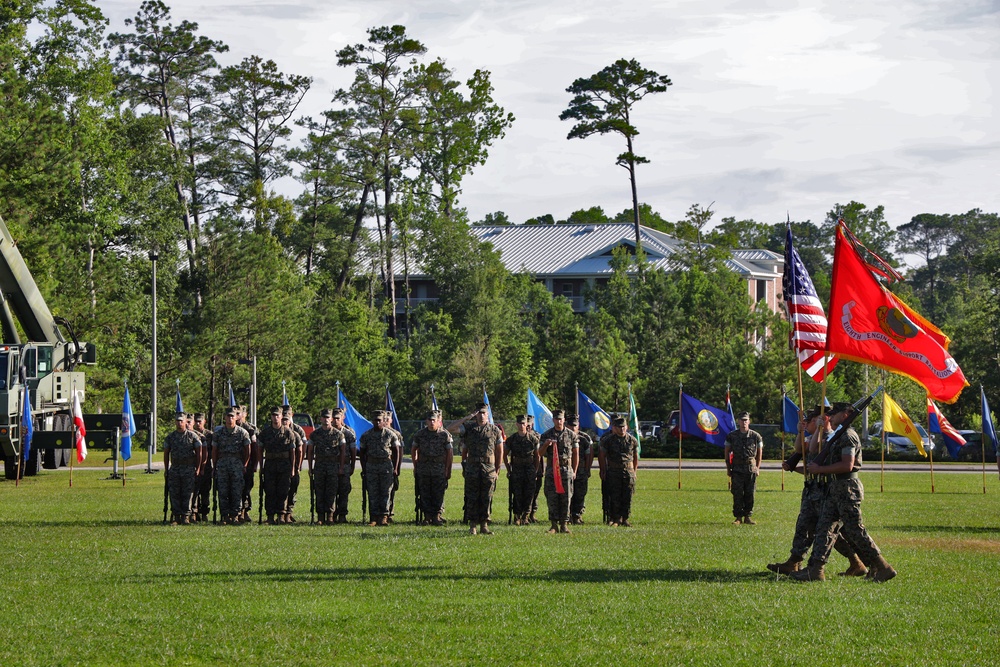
{"type": "Point", "coordinates": [567, 290]}
{"type": "Point", "coordinates": [761, 290]}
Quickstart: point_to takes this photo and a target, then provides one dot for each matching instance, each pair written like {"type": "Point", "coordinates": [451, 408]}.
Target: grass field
{"type": "Point", "coordinates": [91, 577]}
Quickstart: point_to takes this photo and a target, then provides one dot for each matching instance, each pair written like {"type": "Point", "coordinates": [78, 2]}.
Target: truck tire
{"type": "Point", "coordinates": [10, 467]}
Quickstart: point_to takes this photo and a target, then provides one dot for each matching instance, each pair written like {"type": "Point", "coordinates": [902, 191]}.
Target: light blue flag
{"type": "Point", "coordinates": [542, 415]}
{"type": "Point", "coordinates": [392, 410]}
{"type": "Point", "coordinates": [591, 414]}
{"type": "Point", "coordinates": [352, 417]}
{"type": "Point", "coordinates": [989, 433]}
{"type": "Point", "coordinates": [489, 408]}
{"type": "Point", "coordinates": [27, 427]}
{"type": "Point", "coordinates": [128, 426]}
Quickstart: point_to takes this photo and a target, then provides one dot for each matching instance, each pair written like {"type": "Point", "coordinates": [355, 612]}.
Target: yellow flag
{"type": "Point", "coordinates": [894, 420]}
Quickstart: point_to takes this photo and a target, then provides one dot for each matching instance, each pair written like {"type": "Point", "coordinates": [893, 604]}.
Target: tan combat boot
{"type": "Point", "coordinates": [472, 528]}
{"type": "Point", "coordinates": [484, 528]}
{"type": "Point", "coordinates": [554, 529]}
{"type": "Point", "coordinates": [855, 569]}
{"type": "Point", "coordinates": [563, 528]}
{"type": "Point", "coordinates": [881, 571]}
{"type": "Point", "coordinates": [791, 565]}
{"type": "Point", "coordinates": [811, 573]}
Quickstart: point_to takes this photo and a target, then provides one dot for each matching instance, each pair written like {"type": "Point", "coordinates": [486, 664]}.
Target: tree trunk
{"type": "Point", "coordinates": [359, 219]}
{"type": "Point", "coordinates": [390, 283]}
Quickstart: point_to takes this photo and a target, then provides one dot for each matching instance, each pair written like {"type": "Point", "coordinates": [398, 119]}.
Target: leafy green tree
{"type": "Point", "coordinates": [591, 216]}
{"type": "Point", "coordinates": [602, 103]}
{"type": "Point", "coordinates": [869, 225]}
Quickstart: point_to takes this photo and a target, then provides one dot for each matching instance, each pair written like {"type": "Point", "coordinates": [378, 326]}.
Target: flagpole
{"type": "Point", "coordinates": [930, 446]}
{"type": "Point", "coordinates": [76, 450]}
{"type": "Point", "coordinates": [885, 385]}
{"type": "Point", "coordinates": [784, 395]}
{"type": "Point", "coordinates": [729, 406]}
{"type": "Point", "coordinates": [680, 431]}
{"type": "Point", "coordinates": [982, 438]}
{"type": "Point", "coordinates": [576, 392]}
{"type": "Point", "coordinates": [20, 457]}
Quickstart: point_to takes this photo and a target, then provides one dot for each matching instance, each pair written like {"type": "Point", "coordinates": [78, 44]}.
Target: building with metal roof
{"type": "Point", "coordinates": [569, 259]}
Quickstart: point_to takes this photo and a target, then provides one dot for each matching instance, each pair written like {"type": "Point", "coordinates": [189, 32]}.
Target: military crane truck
{"type": "Point", "coordinates": [45, 362]}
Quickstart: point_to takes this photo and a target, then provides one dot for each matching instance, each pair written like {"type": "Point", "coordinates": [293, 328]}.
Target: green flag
{"type": "Point", "coordinates": [633, 420]}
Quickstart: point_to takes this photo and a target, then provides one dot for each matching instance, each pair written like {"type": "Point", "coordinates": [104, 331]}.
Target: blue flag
{"type": "Point", "coordinates": [232, 397]}
{"type": "Point", "coordinates": [542, 415]}
{"type": "Point", "coordinates": [789, 415]}
{"type": "Point", "coordinates": [128, 426]}
{"type": "Point", "coordinates": [27, 427]}
{"type": "Point", "coordinates": [704, 421]}
{"type": "Point", "coordinates": [989, 433]}
{"type": "Point", "coordinates": [489, 408]}
{"type": "Point", "coordinates": [591, 415]}
{"type": "Point", "coordinates": [434, 400]}
{"type": "Point", "coordinates": [179, 407]}
{"type": "Point", "coordinates": [392, 409]}
{"type": "Point", "coordinates": [284, 395]}
{"type": "Point", "coordinates": [352, 417]}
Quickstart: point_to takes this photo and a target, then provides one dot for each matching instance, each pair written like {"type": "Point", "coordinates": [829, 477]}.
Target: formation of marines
{"type": "Point", "coordinates": [225, 460]}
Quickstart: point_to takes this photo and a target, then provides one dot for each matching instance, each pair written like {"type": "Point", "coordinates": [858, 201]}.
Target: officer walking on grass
{"type": "Point", "coordinates": [747, 448]}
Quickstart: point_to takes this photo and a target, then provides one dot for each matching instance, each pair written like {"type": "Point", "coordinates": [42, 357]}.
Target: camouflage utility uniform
{"type": "Point", "coordinates": [744, 447]}
{"type": "Point", "coordinates": [327, 447]}
{"type": "Point", "coordinates": [430, 474]}
{"type": "Point", "coordinates": [582, 481]}
{"type": "Point", "coordinates": [377, 446]}
{"type": "Point", "coordinates": [619, 475]}
{"type": "Point", "coordinates": [185, 450]}
{"type": "Point", "coordinates": [344, 481]}
{"type": "Point", "coordinates": [480, 469]}
{"type": "Point", "coordinates": [231, 446]}
{"type": "Point", "coordinates": [276, 446]}
{"type": "Point", "coordinates": [522, 450]}
{"type": "Point", "coordinates": [559, 502]}
{"type": "Point", "coordinates": [251, 470]}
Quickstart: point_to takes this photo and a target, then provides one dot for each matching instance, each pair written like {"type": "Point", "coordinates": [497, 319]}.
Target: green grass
{"type": "Point", "coordinates": [91, 577]}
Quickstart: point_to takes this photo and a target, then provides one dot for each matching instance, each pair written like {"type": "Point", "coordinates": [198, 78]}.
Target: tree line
{"type": "Point", "coordinates": [115, 144]}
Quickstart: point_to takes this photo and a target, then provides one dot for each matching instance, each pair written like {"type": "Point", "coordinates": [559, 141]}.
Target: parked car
{"type": "Point", "coordinates": [896, 442]}
{"type": "Point", "coordinates": [305, 421]}
{"type": "Point", "coordinates": [972, 451]}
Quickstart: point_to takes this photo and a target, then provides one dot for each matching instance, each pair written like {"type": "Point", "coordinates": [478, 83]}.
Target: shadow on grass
{"type": "Point", "coordinates": [954, 530]}
{"type": "Point", "coordinates": [438, 573]}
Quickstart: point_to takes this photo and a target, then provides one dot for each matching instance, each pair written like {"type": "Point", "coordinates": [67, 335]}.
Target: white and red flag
{"type": "Point", "coordinates": [805, 312]}
{"type": "Point", "coordinates": [81, 431]}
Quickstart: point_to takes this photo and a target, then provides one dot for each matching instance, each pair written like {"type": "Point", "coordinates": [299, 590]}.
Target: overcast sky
{"type": "Point", "coordinates": [776, 106]}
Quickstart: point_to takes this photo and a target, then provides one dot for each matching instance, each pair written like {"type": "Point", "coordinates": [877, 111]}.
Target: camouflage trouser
{"type": "Point", "coordinates": [810, 508]}
{"type": "Point", "coordinates": [343, 495]}
{"type": "Point", "coordinates": [620, 486]}
{"type": "Point", "coordinates": [559, 502]}
{"type": "Point", "coordinates": [539, 483]}
{"type": "Point", "coordinates": [248, 477]}
{"type": "Point", "coordinates": [580, 486]}
{"type": "Point", "coordinates": [522, 484]}
{"type": "Point", "coordinates": [479, 486]}
{"type": "Point", "coordinates": [744, 484]}
{"type": "Point", "coordinates": [431, 488]}
{"type": "Point", "coordinates": [203, 492]}
{"type": "Point", "coordinates": [181, 483]}
{"type": "Point", "coordinates": [326, 479]}
{"type": "Point", "coordinates": [277, 474]}
{"type": "Point", "coordinates": [293, 491]}
{"type": "Point", "coordinates": [379, 479]}
{"type": "Point", "coordinates": [842, 514]}
{"type": "Point", "coordinates": [229, 481]}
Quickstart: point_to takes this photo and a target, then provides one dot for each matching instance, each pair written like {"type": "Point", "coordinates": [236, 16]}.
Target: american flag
{"type": "Point", "coordinates": [809, 324]}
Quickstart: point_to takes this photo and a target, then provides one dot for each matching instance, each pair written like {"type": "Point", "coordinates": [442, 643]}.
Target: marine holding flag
{"type": "Point", "coordinates": [870, 324]}
{"type": "Point", "coordinates": [560, 449]}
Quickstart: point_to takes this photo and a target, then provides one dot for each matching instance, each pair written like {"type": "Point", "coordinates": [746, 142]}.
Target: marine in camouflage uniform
{"type": "Point", "coordinates": [811, 505]}
{"type": "Point", "coordinates": [559, 442]}
{"type": "Point", "coordinates": [619, 458]}
{"type": "Point", "coordinates": [582, 482]}
{"type": "Point", "coordinates": [344, 481]}
{"type": "Point", "coordinates": [482, 452]}
{"type": "Point", "coordinates": [249, 474]}
{"type": "Point", "coordinates": [277, 445]}
{"type": "Point", "coordinates": [432, 452]}
{"type": "Point", "coordinates": [521, 458]}
{"type": "Point", "coordinates": [747, 448]}
{"type": "Point", "coordinates": [203, 485]}
{"type": "Point", "coordinates": [841, 511]}
{"type": "Point", "coordinates": [230, 454]}
{"type": "Point", "coordinates": [182, 451]}
{"type": "Point", "coordinates": [381, 455]}
{"type": "Point", "coordinates": [327, 455]}
{"type": "Point", "coordinates": [539, 471]}
{"type": "Point", "coordinates": [297, 459]}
